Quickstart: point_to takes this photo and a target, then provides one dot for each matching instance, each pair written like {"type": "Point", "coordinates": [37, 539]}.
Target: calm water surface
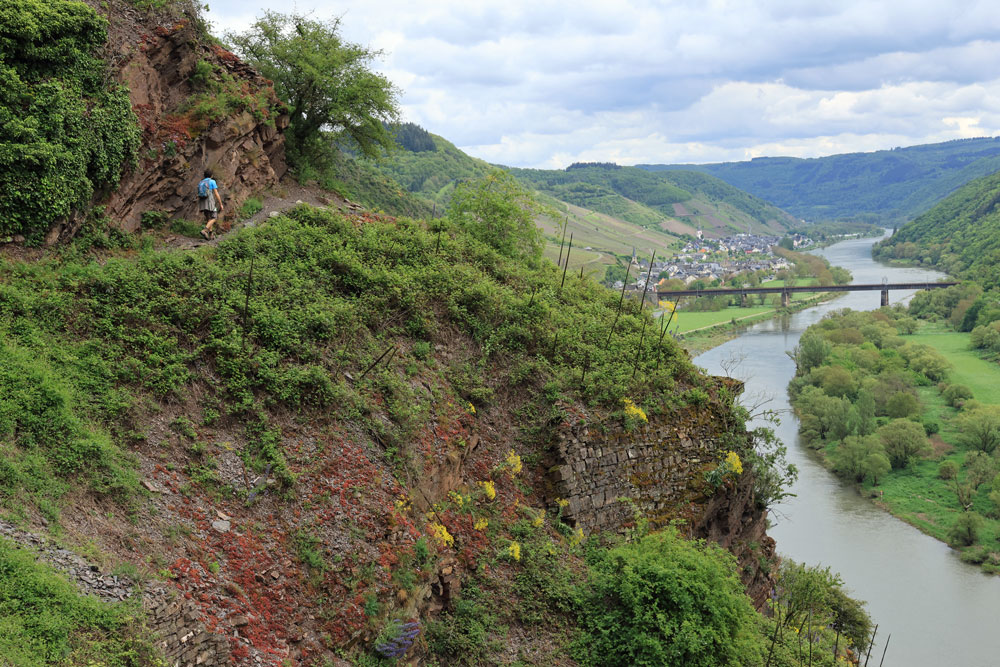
{"type": "Point", "coordinates": [939, 610]}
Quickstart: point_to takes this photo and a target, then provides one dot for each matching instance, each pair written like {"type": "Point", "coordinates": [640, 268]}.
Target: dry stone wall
{"type": "Point", "coordinates": [660, 465]}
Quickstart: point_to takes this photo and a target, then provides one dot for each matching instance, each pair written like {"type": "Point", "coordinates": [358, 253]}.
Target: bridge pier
{"type": "Point", "coordinates": [785, 298]}
{"type": "Point", "coordinates": [885, 297]}
{"type": "Point", "coordinates": [744, 297]}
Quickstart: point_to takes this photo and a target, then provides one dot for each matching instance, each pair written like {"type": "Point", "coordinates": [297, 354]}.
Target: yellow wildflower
{"type": "Point", "coordinates": [471, 408]}
{"type": "Point", "coordinates": [634, 411]}
{"type": "Point", "coordinates": [733, 463]}
{"type": "Point", "coordinates": [481, 524]}
{"type": "Point", "coordinates": [490, 489]}
{"type": "Point", "coordinates": [538, 520]}
{"type": "Point", "coordinates": [514, 462]}
{"type": "Point", "coordinates": [442, 535]}
{"type": "Point", "coordinates": [457, 498]}
{"type": "Point", "coordinates": [562, 502]}
{"type": "Point", "coordinates": [514, 551]}
{"type": "Point", "coordinates": [577, 537]}
{"type": "Point", "coordinates": [403, 505]}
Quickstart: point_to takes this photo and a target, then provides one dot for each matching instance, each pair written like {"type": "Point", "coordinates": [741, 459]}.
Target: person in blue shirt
{"type": "Point", "coordinates": [208, 197]}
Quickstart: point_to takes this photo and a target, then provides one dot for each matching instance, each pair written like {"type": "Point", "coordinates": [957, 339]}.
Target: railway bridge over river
{"type": "Point", "coordinates": [787, 291]}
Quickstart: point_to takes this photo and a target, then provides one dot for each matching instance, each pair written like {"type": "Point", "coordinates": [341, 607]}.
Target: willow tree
{"type": "Point", "coordinates": [328, 82]}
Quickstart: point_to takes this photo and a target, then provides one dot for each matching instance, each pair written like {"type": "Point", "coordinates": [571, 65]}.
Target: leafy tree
{"type": "Point", "coordinates": [327, 81]}
{"type": "Point", "coordinates": [980, 468]}
{"type": "Point", "coordinates": [787, 243]}
{"type": "Point", "coordinates": [947, 470]}
{"type": "Point", "coordinates": [665, 600]}
{"type": "Point", "coordinates": [861, 458]}
{"type": "Point", "coordinates": [865, 407]}
{"type": "Point", "coordinates": [902, 404]}
{"type": "Point", "coordinates": [980, 428]}
{"type": "Point", "coordinates": [497, 210]}
{"type": "Point", "coordinates": [956, 394]}
{"type": "Point", "coordinates": [836, 381]}
{"type": "Point", "coordinates": [810, 353]}
{"type": "Point", "coordinates": [903, 441]}
{"type": "Point", "coordinates": [965, 531]}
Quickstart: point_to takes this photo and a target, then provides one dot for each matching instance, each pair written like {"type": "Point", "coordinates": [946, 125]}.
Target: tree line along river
{"type": "Point", "coordinates": [938, 610]}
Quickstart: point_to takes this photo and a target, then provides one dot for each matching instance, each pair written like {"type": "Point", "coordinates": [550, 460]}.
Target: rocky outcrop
{"type": "Point", "coordinates": [155, 56]}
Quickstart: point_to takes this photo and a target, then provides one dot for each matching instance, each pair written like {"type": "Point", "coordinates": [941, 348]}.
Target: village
{"type": "Point", "coordinates": [711, 260]}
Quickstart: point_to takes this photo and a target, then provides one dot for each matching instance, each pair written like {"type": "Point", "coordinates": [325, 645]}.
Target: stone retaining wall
{"type": "Point", "coordinates": [659, 465]}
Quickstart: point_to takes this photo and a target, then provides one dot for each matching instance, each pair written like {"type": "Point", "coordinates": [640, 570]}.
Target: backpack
{"type": "Point", "coordinates": [203, 189]}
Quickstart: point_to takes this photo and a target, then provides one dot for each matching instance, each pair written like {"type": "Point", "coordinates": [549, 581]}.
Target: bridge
{"type": "Point", "coordinates": [786, 292]}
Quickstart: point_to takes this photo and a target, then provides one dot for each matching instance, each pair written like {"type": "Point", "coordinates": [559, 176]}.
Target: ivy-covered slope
{"type": "Point", "coordinates": [67, 131]}
{"type": "Point", "coordinates": [881, 186]}
{"type": "Point", "coordinates": [961, 235]}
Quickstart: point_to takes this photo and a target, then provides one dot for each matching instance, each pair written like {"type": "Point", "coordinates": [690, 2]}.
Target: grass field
{"type": "Point", "coordinates": [688, 321]}
{"type": "Point", "coordinates": [979, 375]}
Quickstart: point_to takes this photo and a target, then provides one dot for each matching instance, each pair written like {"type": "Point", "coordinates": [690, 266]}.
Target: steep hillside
{"type": "Point", "coordinates": [961, 235]}
{"type": "Point", "coordinates": [324, 424]}
{"type": "Point", "coordinates": [881, 186]}
{"type": "Point", "coordinates": [109, 105]}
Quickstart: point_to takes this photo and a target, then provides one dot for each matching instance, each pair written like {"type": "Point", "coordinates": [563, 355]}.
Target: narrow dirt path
{"type": "Point", "coordinates": [281, 197]}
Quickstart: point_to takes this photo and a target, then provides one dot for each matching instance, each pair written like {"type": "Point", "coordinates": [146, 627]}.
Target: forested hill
{"type": "Point", "coordinates": [961, 235]}
{"type": "Point", "coordinates": [694, 198]}
{"type": "Point", "coordinates": [881, 186]}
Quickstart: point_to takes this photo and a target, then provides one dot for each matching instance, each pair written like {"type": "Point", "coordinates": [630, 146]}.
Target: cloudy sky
{"type": "Point", "coordinates": [537, 83]}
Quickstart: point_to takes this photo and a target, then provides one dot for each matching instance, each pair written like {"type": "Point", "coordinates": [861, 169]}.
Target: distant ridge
{"type": "Point", "coordinates": [882, 186]}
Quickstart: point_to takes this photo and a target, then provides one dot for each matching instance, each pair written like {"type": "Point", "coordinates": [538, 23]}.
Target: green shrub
{"type": "Point", "coordinates": [947, 470]}
{"type": "Point", "coordinates": [44, 620]}
{"type": "Point", "coordinates": [965, 531]}
{"type": "Point", "coordinates": [667, 601]}
{"type": "Point", "coordinates": [187, 228]}
{"type": "Point", "coordinates": [250, 208]}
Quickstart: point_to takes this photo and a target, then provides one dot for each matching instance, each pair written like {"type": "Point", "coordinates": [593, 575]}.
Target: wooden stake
{"type": "Point", "coordinates": [561, 243]}
{"type": "Point", "coordinates": [620, 300]}
{"type": "Point", "coordinates": [638, 351]}
{"type": "Point", "coordinates": [374, 363]}
{"type": "Point", "coordinates": [869, 654]}
{"type": "Point", "coordinates": [885, 649]}
{"type": "Point", "coordinates": [645, 287]}
{"type": "Point", "coordinates": [568, 251]}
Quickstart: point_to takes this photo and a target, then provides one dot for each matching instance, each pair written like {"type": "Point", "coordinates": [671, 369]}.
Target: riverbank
{"type": "Point", "coordinates": [909, 579]}
{"type": "Point", "coordinates": [922, 448]}
{"type": "Point", "coordinates": [701, 339]}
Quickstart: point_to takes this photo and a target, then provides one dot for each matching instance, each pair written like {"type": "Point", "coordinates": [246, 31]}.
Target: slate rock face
{"type": "Point", "coordinates": [154, 56]}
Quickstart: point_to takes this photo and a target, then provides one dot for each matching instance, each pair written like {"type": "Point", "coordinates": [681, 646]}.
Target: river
{"type": "Point", "coordinates": [938, 610]}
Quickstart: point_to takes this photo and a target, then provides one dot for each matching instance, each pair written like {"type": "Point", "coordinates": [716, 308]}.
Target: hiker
{"type": "Point", "coordinates": [208, 196]}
